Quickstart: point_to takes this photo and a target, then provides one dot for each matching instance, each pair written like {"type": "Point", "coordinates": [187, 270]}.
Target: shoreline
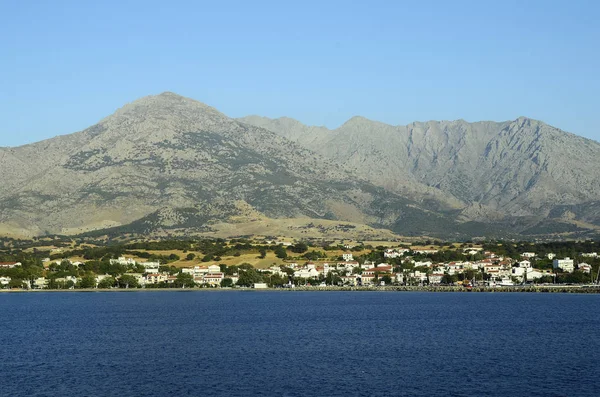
{"type": "Point", "coordinates": [579, 289]}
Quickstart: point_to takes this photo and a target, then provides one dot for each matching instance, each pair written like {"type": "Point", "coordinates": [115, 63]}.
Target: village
{"type": "Point", "coordinates": [397, 266]}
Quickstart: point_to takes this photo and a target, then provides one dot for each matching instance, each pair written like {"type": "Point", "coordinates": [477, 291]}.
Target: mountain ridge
{"type": "Point", "coordinates": [187, 163]}
{"type": "Point", "coordinates": [171, 152]}
{"type": "Point", "coordinates": [452, 157]}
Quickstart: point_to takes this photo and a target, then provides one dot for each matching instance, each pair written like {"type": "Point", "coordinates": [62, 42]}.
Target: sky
{"type": "Point", "coordinates": [64, 65]}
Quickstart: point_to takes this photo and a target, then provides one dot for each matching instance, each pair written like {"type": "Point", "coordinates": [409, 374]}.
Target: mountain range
{"type": "Point", "coordinates": [170, 164]}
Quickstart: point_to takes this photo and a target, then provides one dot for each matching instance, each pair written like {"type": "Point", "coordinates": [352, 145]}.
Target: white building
{"type": "Point", "coordinates": [308, 271]}
{"type": "Point", "coordinates": [155, 278]}
{"type": "Point", "coordinates": [9, 265]}
{"type": "Point", "coordinates": [347, 256]}
{"type": "Point", "coordinates": [151, 267]}
{"type": "Point", "coordinates": [525, 264]}
{"type": "Point", "coordinates": [435, 278]}
{"type": "Point", "coordinates": [550, 256]}
{"type": "Point", "coordinates": [584, 267]}
{"type": "Point", "coordinates": [213, 278]}
{"type": "Point", "coordinates": [394, 253]}
{"type": "Point", "coordinates": [566, 265]}
{"type": "Point", "coordinates": [424, 263]}
{"type": "Point", "coordinates": [40, 283]}
{"type": "Point", "coordinates": [122, 261]}
{"type": "Point", "coordinates": [528, 254]}
{"type": "Point", "coordinates": [214, 269]}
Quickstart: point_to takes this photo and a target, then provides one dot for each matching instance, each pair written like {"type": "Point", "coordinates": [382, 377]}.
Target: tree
{"type": "Point", "coordinates": [386, 279]}
{"type": "Point", "coordinates": [185, 280]}
{"type": "Point", "coordinates": [107, 282]}
{"type": "Point", "coordinates": [226, 283]}
{"type": "Point", "coordinates": [88, 281]}
{"type": "Point", "coordinates": [299, 247]}
{"type": "Point", "coordinates": [190, 256]}
{"type": "Point", "coordinates": [314, 255]}
{"type": "Point", "coordinates": [449, 279]}
{"type": "Point", "coordinates": [128, 281]}
{"type": "Point", "coordinates": [16, 283]}
{"type": "Point", "coordinates": [245, 266]}
{"type": "Point", "coordinates": [248, 277]}
{"type": "Point", "coordinates": [263, 252]}
{"type": "Point", "coordinates": [277, 280]}
{"type": "Point", "coordinates": [280, 252]}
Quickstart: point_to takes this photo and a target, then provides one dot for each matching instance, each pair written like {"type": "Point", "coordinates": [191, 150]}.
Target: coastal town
{"type": "Point", "coordinates": [295, 264]}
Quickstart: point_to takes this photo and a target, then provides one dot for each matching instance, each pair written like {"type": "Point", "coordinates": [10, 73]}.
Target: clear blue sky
{"type": "Point", "coordinates": [67, 64]}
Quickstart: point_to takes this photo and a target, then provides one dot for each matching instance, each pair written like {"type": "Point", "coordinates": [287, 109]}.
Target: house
{"type": "Point", "coordinates": [590, 255]}
{"type": "Point", "coordinates": [4, 281]}
{"type": "Point", "coordinates": [566, 265]}
{"type": "Point", "coordinates": [308, 271]}
{"type": "Point", "coordinates": [139, 277]}
{"type": "Point", "coordinates": [40, 283]}
{"type": "Point", "coordinates": [122, 261]}
{"type": "Point", "coordinates": [425, 251]}
{"type": "Point", "coordinates": [9, 265]}
{"type": "Point", "coordinates": [380, 269]}
{"type": "Point", "coordinates": [214, 269]}
{"type": "Point", "coordinates": [420, 275]}
{"type": "Point", "coordinates": [151, 267]}
{"type": "Point", "coordinates": [155, 278]}
{"type": "Point", "coordinates": [525, 264]}
{"type": "Point", "coordinates": [398, 277]}
{"type": "Point", "coordinates": [349, 265]}
{"type": "Point", "coordinates": [367, 279]}
{"type": "Point", "coordinates": [436, 278]}
{"type": "Point", "coordinates": [199, 271]}
{"type": "Point", "coordinates": [489, 254]}
{"type": "Point", "coordinates": [213, 278]}
{"type": "Point", "coordinates": [394, 253]}
{"type": "Point", "coordinates": [171, 279]}
{"type": "Point", "coordinates": [424, 263]}
{"type": "Point", "coordinates": [351, 279]}
{"type": "Point", "coordinates": [491, 268]}
{"type": "Point", "coordinates": [323, 269]}
{"type": "Point", "coordinates": [347, 256]}
{"type": "Point", "coordinates": [66, 279]}
{"type": "Point", "coordinates": [584, 267]}
{"type": "Point", "coordinates": [234, 278]}
{"type": "Point", "coordinates": [494, 274]}
{"type": "Point", "coordinates": [276, 270]}
{"type": "Point", "coordinates": [550, 256]}
{"type": "Point", "coordinates": [526, 273]}
{"type": "Point", "coordinates": [528, 255]}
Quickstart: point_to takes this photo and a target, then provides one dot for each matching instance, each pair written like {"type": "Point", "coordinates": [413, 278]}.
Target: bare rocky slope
{"type": "Point", "coordinates": [169, 162]}
{"type": "Point", "coordinates": [523, 173]}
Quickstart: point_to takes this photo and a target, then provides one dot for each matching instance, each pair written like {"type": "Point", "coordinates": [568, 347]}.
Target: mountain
{"type": "Point", "coordinates": [166, 162]}
{"type": "Point", "coordinates": [521, 172]}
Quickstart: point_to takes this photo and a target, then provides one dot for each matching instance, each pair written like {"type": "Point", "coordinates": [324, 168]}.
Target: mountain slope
{"type": "Point", "coordinates": [167, 161]}
{"type": "Point", "coordinates": [490, 170]}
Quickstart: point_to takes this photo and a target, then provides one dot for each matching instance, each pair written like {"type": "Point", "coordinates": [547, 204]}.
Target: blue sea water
{"type": "Point", "coordinates": [299, 344]}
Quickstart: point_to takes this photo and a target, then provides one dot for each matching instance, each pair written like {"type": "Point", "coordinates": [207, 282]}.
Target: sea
{"type": "Point", "coordinates": [271, 343]}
